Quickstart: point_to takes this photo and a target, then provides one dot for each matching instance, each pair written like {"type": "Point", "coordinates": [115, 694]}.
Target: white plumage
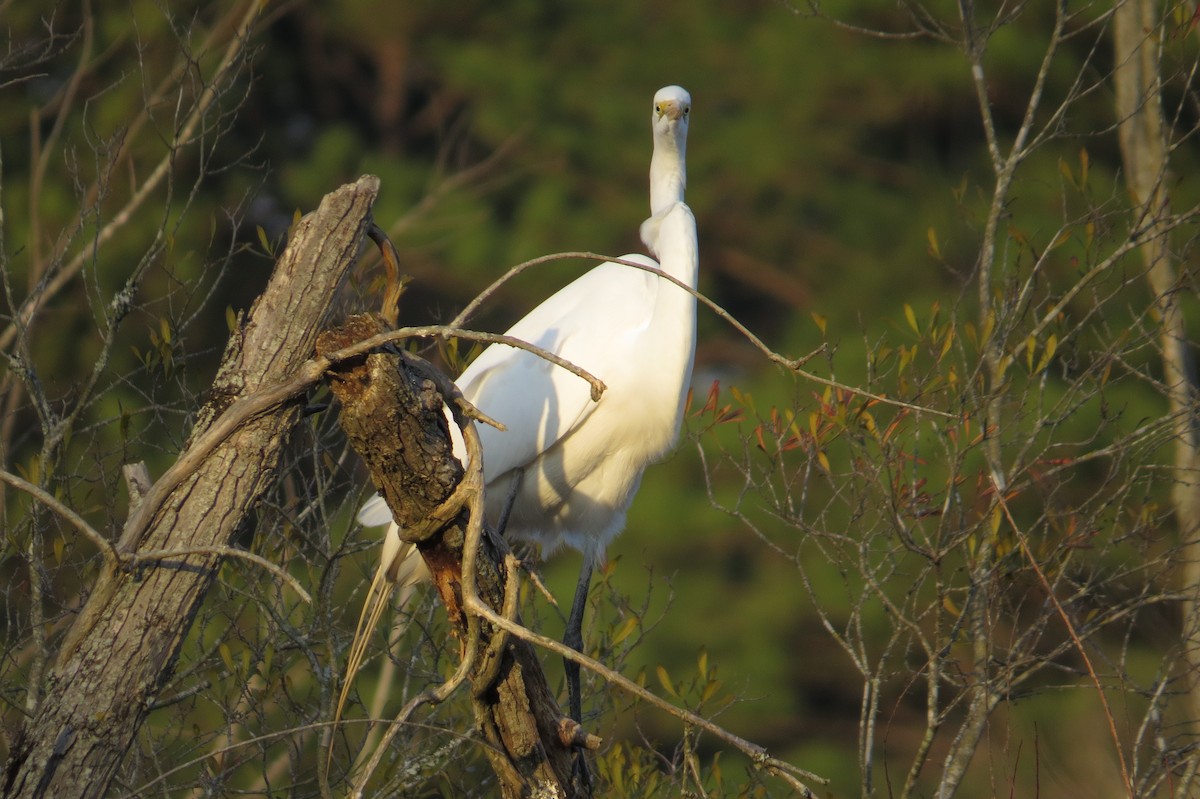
{"type": "Point", "coordinates": [579, 461]}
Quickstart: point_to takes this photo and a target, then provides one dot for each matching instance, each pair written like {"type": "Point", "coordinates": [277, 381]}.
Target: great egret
{"type": "Point", "coordinates": [571, 464]}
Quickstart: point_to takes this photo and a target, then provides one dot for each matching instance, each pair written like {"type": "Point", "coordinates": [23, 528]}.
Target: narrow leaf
{"type": "Point", "coordinates": [665, 680]}
{"type": "Point", "coordinates": [623, 632]}
{"type": "Point", "coordinates": [1047, 353]}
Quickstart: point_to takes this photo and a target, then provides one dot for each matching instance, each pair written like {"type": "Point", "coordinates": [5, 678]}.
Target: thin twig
{"type": "Point", "coordinates": [755, 752]}
{"type": "Point", "coordinates": [791, 364]}
{"type": "Point", "coordinates": [236, 45]}
{"type": "Point", "coordinates": [134, 558]}
{"type": "Point", "coordinates": [1079, 647]}
{"type": "Point", "coordinates": [431, 696]}
{"type": "Point", "coordinates": [107, 550]}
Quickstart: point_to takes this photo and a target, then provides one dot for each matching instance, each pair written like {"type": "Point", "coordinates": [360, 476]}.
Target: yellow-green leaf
{"type": "Point", "coordinates": [820, 320]}
{"type": "Point", "coordinates": [934, 249]}
{"type": "Point", "coordinates": [623, 632]}
{"type": "Point", "coordinates": [1018, 235]}
{"type": "Point", "coordinates": [1065, 169]}
{"type": "Point", "coordinates": [911, 317]}
{"type": "Point", "coordinates": [947, 340]}
{"type": "Point", "coordinates": [665, 680]}
{"type": "Point", "coordinates": [989, 324]}
{"type": "Point", "coordinates": [1047, 353]}
{"type": "Point", "coordinates": [868, 421]}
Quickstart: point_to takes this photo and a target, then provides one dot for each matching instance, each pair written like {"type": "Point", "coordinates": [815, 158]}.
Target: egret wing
{"type": "Point", "coordinates": [540, 402]}
{"type": "Point", "coordinates": [374, 512]}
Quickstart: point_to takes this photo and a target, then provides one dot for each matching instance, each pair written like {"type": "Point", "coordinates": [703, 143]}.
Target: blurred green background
{"type": "Point", "coordinates": [823, 162]}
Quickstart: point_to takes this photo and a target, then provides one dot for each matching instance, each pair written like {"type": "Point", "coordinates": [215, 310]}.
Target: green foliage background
{"type": "Point", "coordinates": [836, 178]}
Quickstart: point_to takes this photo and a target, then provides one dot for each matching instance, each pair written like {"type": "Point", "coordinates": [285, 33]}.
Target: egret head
{"type": "Point", "coordinates": [672, 107]}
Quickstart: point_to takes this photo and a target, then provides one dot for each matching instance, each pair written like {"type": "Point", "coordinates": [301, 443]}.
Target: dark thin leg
{"type": "Point", "coordinates": [574, 639]}
{"type": "Point", "coordinates": [511, 500]}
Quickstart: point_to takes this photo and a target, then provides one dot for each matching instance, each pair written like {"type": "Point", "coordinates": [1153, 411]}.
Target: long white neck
{"type": "Point", "coordinates": [668, 173]}
{"type": "Point", "coordinates": [679, 257]}
{"type": "Point", "coordinates": [678, 250]}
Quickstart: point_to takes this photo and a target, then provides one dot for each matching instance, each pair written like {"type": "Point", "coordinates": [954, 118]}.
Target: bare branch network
{"type": "Point", "coordinates": [956, 552]}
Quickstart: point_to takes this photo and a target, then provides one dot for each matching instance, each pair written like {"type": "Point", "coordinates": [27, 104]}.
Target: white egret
{"type": "Point", "coordinates": [572, 465]}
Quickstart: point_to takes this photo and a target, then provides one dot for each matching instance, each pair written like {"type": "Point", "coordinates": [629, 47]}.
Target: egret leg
{"type": "Point", "coordinates": [509, 501]}
{"type": "Point", "coordinates": [574, 639]}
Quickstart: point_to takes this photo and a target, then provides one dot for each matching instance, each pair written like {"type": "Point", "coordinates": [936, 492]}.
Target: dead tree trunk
{"type": "Point", "coordinates": [392, 415]}
{"type": "Point", "coordinates": [125, 642]}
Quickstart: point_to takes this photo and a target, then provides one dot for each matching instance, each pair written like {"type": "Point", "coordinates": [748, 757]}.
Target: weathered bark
{"type": "Point", "coordinates": [126, 640]}
{"type": "Point", "coordinates": [392, 416]}
{"type": "Point", "coordinates": [1144, 150]}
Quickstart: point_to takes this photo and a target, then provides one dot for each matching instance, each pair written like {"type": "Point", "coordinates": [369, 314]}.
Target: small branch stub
{"type": "Point", "coordinates": [573, 735]}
